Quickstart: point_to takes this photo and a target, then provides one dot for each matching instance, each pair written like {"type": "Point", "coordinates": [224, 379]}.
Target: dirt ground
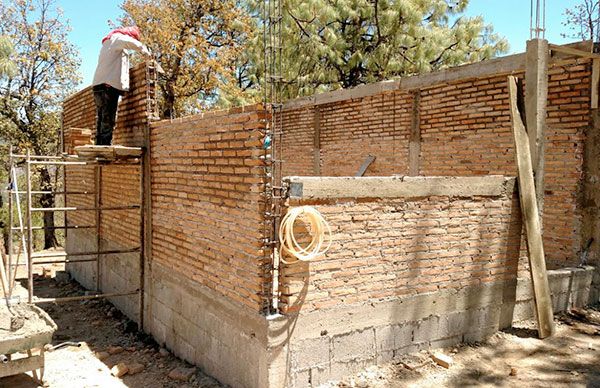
{"type": "Point", "coordinates": [511, 358]}
{"type": "Point", "coordinates": [514, 358]}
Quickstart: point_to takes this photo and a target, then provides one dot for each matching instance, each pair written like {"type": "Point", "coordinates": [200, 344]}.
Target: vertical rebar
{"type": "Point", "coordinates": [537, 29]}
{"type": "Point", "coordinates": [29, 230]}
{"type": "Point", "coordinates": [65, 217]}
{"type": "Point", "coordinates": [11, 191]}
{"type": "Point", "coordinates": [272, 40]}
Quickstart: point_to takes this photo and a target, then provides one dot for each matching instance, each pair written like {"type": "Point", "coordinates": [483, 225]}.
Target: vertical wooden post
{"type": "Point", "coordinates": [595, 83]}
{"type": "Point", "coordinates": [29, 231]}
{"type": "Point", "coordinates": [98, 206]}
{"type": "Point", "coordinates": [142, 258]}
{"type": "Point", "coordinates": [414, 147]}
{"type": "Point", "coordinates": [536, 97]}
{"type": "Point", "coordinates": [317, 141]}
{"type": "Point", "coordinates": [531, 219]}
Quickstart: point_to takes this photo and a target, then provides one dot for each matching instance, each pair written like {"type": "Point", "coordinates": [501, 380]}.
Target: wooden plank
{"type": "Point", "coordinates": [595, 83]}
{"type": "Point", "coordinates": [363, 168]}
{"type": "Point", "coordinates": [21, 365]}
{"type": "Point", "coordinates": [536, 97]}
{"type": "Point", "coordinates": [107, 152]}
{"type": "Point", "coordinates": [573, 51]}
{"type": "Point", "coordinates": [414, 145]}
{"type": "Point", "coordinates": [531, 219]}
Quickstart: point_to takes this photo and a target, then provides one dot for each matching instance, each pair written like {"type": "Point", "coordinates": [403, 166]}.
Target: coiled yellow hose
{"type": "Point", "coordinates": [319, 230]}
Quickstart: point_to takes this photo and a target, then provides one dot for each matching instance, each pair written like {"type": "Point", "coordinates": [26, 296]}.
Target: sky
{"type": "Point", "coordinates": [510, 18]}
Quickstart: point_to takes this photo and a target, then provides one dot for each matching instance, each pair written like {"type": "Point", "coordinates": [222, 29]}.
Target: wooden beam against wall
{"type": "Point", "coordinates": [414, 145]}
{"type": "Point", "coordinates": [572, 51]}
{"type": "Point", "coordinates": [530, 215]}
{"type": "Point", "coordinates": [536, 97]}
{"type": "Point", "coordinates": [595, 83]}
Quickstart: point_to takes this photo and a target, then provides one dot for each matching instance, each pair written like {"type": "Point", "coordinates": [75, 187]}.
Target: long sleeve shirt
{"type": "Point", "coordinates": [113, 61]}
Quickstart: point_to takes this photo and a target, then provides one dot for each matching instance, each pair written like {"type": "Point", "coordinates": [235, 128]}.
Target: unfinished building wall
{"type": "Point", "coordinates": [206, 288]}
{"type": "Point", "coordinates": [456, 127]}
{"type": "Point", "coordinates": [416, 263]}
{"type": "Point", "coordinates": [119, 186]}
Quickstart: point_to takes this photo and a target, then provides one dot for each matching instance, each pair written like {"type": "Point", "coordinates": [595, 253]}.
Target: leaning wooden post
{"type": "Point", "coordinates": [531, 219]}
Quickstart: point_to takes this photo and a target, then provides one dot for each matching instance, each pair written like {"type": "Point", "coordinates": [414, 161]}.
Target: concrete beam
{"type": "Point", "coordinates": [398, 187]}
{"type": "Point", "coordinates": [499, 66]}
{"type": "Point", "coordinates": [414, 146]}
{"type": "Point", "coordinates": [536, 97]}
{"type": "Point", "coordinates": [317, 141]}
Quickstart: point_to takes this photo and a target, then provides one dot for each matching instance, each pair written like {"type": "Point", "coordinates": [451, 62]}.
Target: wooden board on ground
{"type": "Point", "coordinates": [108, 152]}
{"type": "Point", "coordinates": [531, 219]}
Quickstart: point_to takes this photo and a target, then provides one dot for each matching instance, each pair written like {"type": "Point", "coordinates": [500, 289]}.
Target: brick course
{"type": "Point", "coordinates": [207, 208]}
{"type": "Point", "coordinates": [388, 248]}
{"type": "Point", "coordinates": [465, 130]}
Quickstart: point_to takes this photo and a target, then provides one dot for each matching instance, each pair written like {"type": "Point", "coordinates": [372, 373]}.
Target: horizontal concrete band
{"type": "Point", "coordinates": [493, 67]}
{"type": "Point", "coordinates": [398, 187]}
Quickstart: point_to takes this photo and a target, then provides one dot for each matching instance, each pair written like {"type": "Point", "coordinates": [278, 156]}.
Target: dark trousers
{"type": "Point", "coordinates": [107, 100]}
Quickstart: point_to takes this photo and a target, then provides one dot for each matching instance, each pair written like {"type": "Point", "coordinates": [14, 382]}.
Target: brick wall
{"type": "Point", "coordinates": [79, 111]}
{"type": "Point", "coordinates": [207, 208]}
{"type": "Point", "coordinates": [388, 248]}
{"type": "Point", "coordinates": [464, 129]}
{"type": "Point", "coordinates": [120, 184]}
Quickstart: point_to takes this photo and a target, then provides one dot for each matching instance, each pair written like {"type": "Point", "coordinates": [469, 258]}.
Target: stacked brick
{"type": "Point", "coordinates": [207, 202]}
{"type": "Point", "coordinates": [386, 249]}
{"type": "Point", "coordinates": [464, 130]}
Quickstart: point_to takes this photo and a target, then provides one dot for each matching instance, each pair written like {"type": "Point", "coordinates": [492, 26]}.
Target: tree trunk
{"type": "Point", "coordinates": [47, 201]}
{"type": "Point", "coordinates": [168, 111]}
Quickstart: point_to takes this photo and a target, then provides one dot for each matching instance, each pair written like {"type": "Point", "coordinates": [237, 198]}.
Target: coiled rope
{"type": "Point", "coordinates": [318, 228]}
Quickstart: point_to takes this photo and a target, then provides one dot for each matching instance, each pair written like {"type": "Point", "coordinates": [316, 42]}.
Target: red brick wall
{"type": "Point", "coordinates": [120, 184]}
{"type": "Point", "coordinates": [206, 182]}
{"type": "Point", "coordinates": [79, 111]}
{"type": "Point", "coordinates": [207, 207]}
{"type": "Point", "coordinates": [465, 130]}
{"type": "Point", "coordinates": [388, 248]}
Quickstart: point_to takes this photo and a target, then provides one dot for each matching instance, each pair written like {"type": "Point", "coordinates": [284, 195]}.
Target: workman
{"type": "Point", "coordinates": [111, 78]}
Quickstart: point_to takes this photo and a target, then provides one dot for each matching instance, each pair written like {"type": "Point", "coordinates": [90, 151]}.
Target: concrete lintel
{"type": "Point", "coordinates": [398, 187]}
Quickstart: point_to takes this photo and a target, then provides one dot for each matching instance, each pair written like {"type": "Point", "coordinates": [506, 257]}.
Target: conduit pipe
{"type": "Point", "coordinates": [319, 229]}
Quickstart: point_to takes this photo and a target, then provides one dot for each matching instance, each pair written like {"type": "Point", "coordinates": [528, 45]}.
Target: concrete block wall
{"type": "Point", "coordinates": [456, 127]}
{"type": "Point", "coordinates": [118, 274]}
{"type": "Point", "coordinates": [330, 344]}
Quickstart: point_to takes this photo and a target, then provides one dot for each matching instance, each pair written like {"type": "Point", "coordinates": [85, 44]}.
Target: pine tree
{"type": "Point", "coordinates": [332, 44]}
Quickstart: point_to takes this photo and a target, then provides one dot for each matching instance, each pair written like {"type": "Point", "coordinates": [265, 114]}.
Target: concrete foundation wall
{"type": "Point", "coordinates": [328, 345]}
{"type": "Point", "coordinates": [118, 273]}
{"type": "Point", "coordinates": [226, 339]}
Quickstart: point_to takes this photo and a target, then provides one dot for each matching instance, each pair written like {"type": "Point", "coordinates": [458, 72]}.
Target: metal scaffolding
{"type": "Point", "coordinates": [26, 229]}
